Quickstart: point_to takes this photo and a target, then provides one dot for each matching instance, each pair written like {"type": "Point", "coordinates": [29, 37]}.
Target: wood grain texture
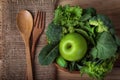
{"type": "Point", "coordinates": [61, 75]}
{"type": "Point", "coordinates": [1, 48]}
{"type": "Point", "coordinates": [12, 47]}
{"type": "Point", "coordinates": [1, 30]}
{"type": "Point", "coordinates": [25, 25]}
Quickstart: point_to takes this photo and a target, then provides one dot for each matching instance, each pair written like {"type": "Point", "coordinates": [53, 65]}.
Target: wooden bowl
{"type": "Point", "coordinates": [64, 74]}
{"type": "Point", "coordinates": [66, 70]}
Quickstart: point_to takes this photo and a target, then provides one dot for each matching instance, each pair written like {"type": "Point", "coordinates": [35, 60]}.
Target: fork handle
{"type": "Point", "coordinates": [33, 53]}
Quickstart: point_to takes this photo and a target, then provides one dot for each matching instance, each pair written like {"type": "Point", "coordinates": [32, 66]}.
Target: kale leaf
{"type": "Point", "coordinates": [48, 54]}
{"type": "Point", "coordinates": [87, 14]}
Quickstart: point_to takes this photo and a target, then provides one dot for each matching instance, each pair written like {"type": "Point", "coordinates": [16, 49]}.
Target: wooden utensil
{"type": "Point", "coordinates": [39, 24]}
{"type": "Point", "coordinates": [25, 24]}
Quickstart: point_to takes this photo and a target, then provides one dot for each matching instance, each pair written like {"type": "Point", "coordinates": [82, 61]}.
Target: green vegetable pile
{"type": "Point", "coordinates": [97, 29]}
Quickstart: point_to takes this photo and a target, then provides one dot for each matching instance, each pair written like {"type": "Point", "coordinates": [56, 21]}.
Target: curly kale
{"type": "Point", "coordinates": [67, 16]}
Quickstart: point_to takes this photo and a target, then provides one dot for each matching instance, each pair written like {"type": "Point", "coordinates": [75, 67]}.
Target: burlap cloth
{"type": "Point", "coordinates": [12, 50]}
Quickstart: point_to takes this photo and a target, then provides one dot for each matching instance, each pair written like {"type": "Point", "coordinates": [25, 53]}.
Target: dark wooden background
{"type": "Point", "coordinates": [12, 56]}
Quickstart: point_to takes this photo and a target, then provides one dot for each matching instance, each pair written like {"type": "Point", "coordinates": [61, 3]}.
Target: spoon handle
{"type": "Point", "coordinates": [29, 64]}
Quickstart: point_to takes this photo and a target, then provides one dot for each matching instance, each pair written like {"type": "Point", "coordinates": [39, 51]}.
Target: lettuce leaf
{"type": "Point", "coordinates": [67, 16]}
{"type": "Point", "coordinates": [106, 46]}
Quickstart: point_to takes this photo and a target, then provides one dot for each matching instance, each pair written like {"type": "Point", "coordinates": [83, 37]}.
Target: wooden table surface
{"type": "Point", "coordinates": [61, 75]}
{"type": "Point", "coordinates": [110, 8]}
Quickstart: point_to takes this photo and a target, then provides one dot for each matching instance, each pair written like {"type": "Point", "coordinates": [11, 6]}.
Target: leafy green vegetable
{"type": "Point", "coordinates": [48, 54]}
{"type": "Point", "coordinates": [101, 22]}
{"type": "Point", "coordinates": [93, 21]}
{"type": "Point", "coordinates": [88, 13]}
{"type": "Point", "coordinates": [54, 33]}
{"type": "Point", "coordinates": [86, 35]}
{"type": "Point", "coordinates": [117, 40]}
{"type": "Point", "coordinates": [85, 17]}
{"type": "Point", "coordinates": [104, 20]}
{"type": "Point", "coordinates": [98, 30]}
{"type": "Point", "coordinates": [89, 31]}
{"type": "Point", "coordinates": [97, 70]}
{"type": "Point", "coordinates": [72, 66]}
{"type": "Point", "coordinates": [83, 32]}
{"type": "Point", "coordinates": [106, 46]}
{"type": "Point", "coordinates": [67, 16]}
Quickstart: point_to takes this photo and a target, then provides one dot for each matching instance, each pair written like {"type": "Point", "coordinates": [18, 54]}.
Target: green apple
{"type": "Point", "coordinates": [73, 47]}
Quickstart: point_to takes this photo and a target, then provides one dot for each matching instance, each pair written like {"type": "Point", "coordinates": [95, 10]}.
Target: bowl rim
{"type": "Point", "coordinates": [66, 70]}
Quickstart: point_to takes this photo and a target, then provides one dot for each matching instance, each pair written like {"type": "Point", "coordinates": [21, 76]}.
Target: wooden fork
{"type": "Point", "coordinates": [38, 27]}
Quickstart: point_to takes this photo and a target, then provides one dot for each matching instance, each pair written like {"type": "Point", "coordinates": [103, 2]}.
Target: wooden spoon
{"type": "Point", "coordinates": [25, 24]}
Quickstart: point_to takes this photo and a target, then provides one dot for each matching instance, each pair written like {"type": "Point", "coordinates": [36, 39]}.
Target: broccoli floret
{"type": "Point", "coordinates": [93, 21]}
{"type": "Point", "coordinates": [101, 22]}
{"type": "Point", "coordinates": [64, 30]}
{"type": "Point", "coordinates": [71, 29]}
{"type": "Point", "coordinates": [54, 33]}
{"type": "Point", "coordinates": [102, 19]}
{"type": "Point", "coordinates": [101, 28]}
{"type": "Point", "coordinates": [104, 23]}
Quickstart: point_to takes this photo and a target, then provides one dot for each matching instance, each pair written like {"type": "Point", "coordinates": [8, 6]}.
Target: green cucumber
{"type": "Point", "coordinates": [61, 62]}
